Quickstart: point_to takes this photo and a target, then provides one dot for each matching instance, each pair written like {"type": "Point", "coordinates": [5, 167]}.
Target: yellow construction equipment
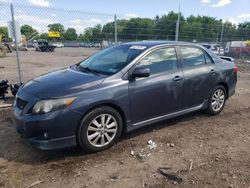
{"type": "Point", "coordinates": [3, 50]}
{"type": "Point", "coordinates": [248, 42]}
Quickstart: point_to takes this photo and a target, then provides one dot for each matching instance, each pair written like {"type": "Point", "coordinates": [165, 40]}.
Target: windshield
{"type": "Point", "coordinates": [112, 60]}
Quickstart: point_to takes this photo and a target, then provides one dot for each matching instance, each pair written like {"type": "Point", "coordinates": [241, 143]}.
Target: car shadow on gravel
{"type": "Point", "coordinates": [14, 148]}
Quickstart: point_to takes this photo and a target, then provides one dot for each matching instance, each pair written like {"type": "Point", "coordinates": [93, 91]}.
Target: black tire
{"type": "Point", "coordinates": [210, 109]}
{"type": "Point", "coordinates": [82, 131]}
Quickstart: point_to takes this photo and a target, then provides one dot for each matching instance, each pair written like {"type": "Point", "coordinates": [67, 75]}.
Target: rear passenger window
{"type": "Point", "coordinates": [192, 56]}
{"type": "Point", "coordinates": [160, 60]}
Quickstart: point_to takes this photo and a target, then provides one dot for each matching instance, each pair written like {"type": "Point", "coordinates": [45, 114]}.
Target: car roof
{"type": "Point", "coordinates": [149, 44]}
{"type": "Point", "coordinates": [210, 44]}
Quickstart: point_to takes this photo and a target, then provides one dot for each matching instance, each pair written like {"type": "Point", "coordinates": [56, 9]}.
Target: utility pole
{"type": "Point", "coordinates": [217, 38]}
{"type": "Point", "coordinates": [177, 26]}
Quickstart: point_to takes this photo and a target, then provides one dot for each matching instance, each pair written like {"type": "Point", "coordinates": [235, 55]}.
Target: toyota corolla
{"type": "Point", "coordinates": [120, 89]}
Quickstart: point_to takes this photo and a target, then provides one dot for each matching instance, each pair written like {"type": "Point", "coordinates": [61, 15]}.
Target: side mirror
{"type": "Point", "coordinates": [140, 72]}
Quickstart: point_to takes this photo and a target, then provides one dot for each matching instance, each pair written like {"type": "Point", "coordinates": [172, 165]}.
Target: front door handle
{"type": "Point", "coordinates": [212, 71]}
{"type": "Point", "coordinates": [177, 78]}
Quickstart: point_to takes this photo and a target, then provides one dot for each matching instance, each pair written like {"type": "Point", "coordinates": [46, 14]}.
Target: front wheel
{"type": "Point", "coordinates": [217, 100]}
{"type": "Point", "coordinates": [100, 129]}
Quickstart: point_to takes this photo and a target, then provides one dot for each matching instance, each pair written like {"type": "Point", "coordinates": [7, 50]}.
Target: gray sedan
{"type": "Point", "coordinates": [120, 89]}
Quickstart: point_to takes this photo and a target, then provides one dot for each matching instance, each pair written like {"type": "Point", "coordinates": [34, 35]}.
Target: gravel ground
{"type": "Point", "coordinates": [36, 63]}
{"type": "Point", "coordinates": [195, 150]}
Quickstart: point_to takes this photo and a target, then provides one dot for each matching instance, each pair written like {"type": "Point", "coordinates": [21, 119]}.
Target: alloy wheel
{"type": "Point", "coordinates": [102, 130]}
{"type": "Point", "coordinates": [218, 100]}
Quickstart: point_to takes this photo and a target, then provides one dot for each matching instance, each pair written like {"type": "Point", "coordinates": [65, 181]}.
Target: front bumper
{"type": "Point", "coordinates": [50, 131]}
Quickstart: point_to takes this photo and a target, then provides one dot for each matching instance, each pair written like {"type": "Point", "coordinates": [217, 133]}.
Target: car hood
{"type": "Point", "coordinates": [64, 82]}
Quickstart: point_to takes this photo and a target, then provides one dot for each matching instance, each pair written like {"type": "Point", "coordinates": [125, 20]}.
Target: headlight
{"type": "Point", "coordinates": [45, 106]}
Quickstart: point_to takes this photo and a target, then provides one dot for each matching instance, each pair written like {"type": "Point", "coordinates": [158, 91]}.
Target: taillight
{"type": "Point", "coordinates": [236, 69]}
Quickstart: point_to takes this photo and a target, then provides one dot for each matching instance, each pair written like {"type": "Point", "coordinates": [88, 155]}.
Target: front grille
{"type": "Point", "coordinates": [21, 103]}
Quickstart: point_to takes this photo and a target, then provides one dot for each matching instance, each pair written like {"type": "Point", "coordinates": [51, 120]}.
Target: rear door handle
{"type": "Point", "coordinates": [177, 78]}
{"type": "Point", "coordinates": [212, 71]}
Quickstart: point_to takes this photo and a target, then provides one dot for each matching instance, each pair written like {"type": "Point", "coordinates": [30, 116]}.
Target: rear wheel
{"type": "Point", "coordinates": [100, 129]}
{"type": "Point", "coordinates": [217, 100]}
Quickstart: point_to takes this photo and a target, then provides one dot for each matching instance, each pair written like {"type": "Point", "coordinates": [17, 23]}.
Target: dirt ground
{"type": "Point", "coordinates": [197, 150]}
{"type": "Point", "coordinates": [36, 63]}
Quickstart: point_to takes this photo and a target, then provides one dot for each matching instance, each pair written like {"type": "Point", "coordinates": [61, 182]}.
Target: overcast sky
{"type": "Point", "coordinates": [232, 10]}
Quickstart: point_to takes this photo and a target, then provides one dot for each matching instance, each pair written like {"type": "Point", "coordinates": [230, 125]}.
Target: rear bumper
{"type": "Point", "coordinates": [232, 82]}
{"type": "Point", "coordinates": [231, 93]}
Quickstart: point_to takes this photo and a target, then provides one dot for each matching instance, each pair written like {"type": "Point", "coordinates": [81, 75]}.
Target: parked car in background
{"type": "Point", "coordinates": [216, 48]}
{"type": "Point", "coordinates": [58, 44]}
{"type": "Point", "coordinates": [120, 89]}
{"type": "Point", "coordinates": [237, 49]}
{"type": "Point", "coordinates": [72, 44]}
{"type": "Point", "coordinates": [44, 46]}
{"type": "Point", "coordinates": [31, 45]}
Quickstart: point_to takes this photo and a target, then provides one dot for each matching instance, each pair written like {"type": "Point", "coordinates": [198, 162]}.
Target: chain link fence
{"type": "Point", "coordinates": [48, 29]}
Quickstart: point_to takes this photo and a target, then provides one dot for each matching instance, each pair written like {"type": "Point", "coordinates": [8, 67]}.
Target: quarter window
{"type": "Point", "coordinates": [192, 57]}
{"type": "Point", "coordinates": [208, 59]}
{"type": "Point", "coordinates": [160, 60]}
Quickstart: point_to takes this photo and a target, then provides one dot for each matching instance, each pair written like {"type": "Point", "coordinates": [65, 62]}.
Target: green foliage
{"type": "Point", "coordinates": [165, 26]}
{"type": "Point", "coordinates": [138, 29]}
{"type": "Point", "coordinates": [44, 36]}
{"type": "Point", "coordinates": [56, 27]}
{"type": "Point", "coordinates": [244, 30]}
{"type": "Point", "coordinates": [86, 36]}
{"type": "Point", "coordinates": [70, 35]}
{"type": "Point", "coordinates": [192, 28]}
{"type": "Point", "coordinates": [108, 31]}
{"type": "Point", "coordinates": [4, 33]}
{"type": "Point", "coordinates": [28, 31]}
{"type": "Point", "coordinates": [94, 34]}
{"type": "Point", "coordinates": [201, 28]}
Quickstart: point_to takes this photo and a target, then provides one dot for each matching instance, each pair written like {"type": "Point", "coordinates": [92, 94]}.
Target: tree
{"type": "Point", "coordinates": [201, 29]}
{"type": "Point", "coordinates": [97, 33]}
{"type": "Point", "coordinates": [198, 28]}
{"type": "Point", "coordinates": [244, 30]}
{"type": "Point", "coordinates": [86, 36]}
{"type": "Point", "coordinates": [4, 33]}
{"type": "Point", "coordinates": [108, 31]}
{"type": "Point", "coordinates": [92, 34]}
{"type": "Point", "coordinates": [44, 36]}
{"type": "Point", "coordinates": [28, 31]}
{"type": "Point", "coordinates": [138, 29]}
{"type": "Point", "coordinates": [165, 25]}
{"type": "Point", "coordinates": [70, 34]}
{"type": "Point", "coordinates": [56, 27]}
{"type": "Point", "coordinates": [230, 32]}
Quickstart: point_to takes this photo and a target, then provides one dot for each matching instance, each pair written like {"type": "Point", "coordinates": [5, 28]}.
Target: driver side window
{"type": "Point", "coordinates": [160, 60]}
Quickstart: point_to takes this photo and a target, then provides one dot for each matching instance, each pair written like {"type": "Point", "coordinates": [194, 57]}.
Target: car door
{"type": "Point", "coordinates": [200, 75]}
{"type": "Point", "coordinates": [161, 92]}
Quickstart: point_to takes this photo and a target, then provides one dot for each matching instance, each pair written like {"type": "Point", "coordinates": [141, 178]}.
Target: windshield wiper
{"type": "Point", "coordinates": [87, 69]}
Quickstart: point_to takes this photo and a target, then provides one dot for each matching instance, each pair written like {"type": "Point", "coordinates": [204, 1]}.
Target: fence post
{"type": "Point", "coordinates": [221, 36]}
{"type": "Point", "coordinates": [115, 29]}
{"type": "Point", "coordinates": [16, 42]}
